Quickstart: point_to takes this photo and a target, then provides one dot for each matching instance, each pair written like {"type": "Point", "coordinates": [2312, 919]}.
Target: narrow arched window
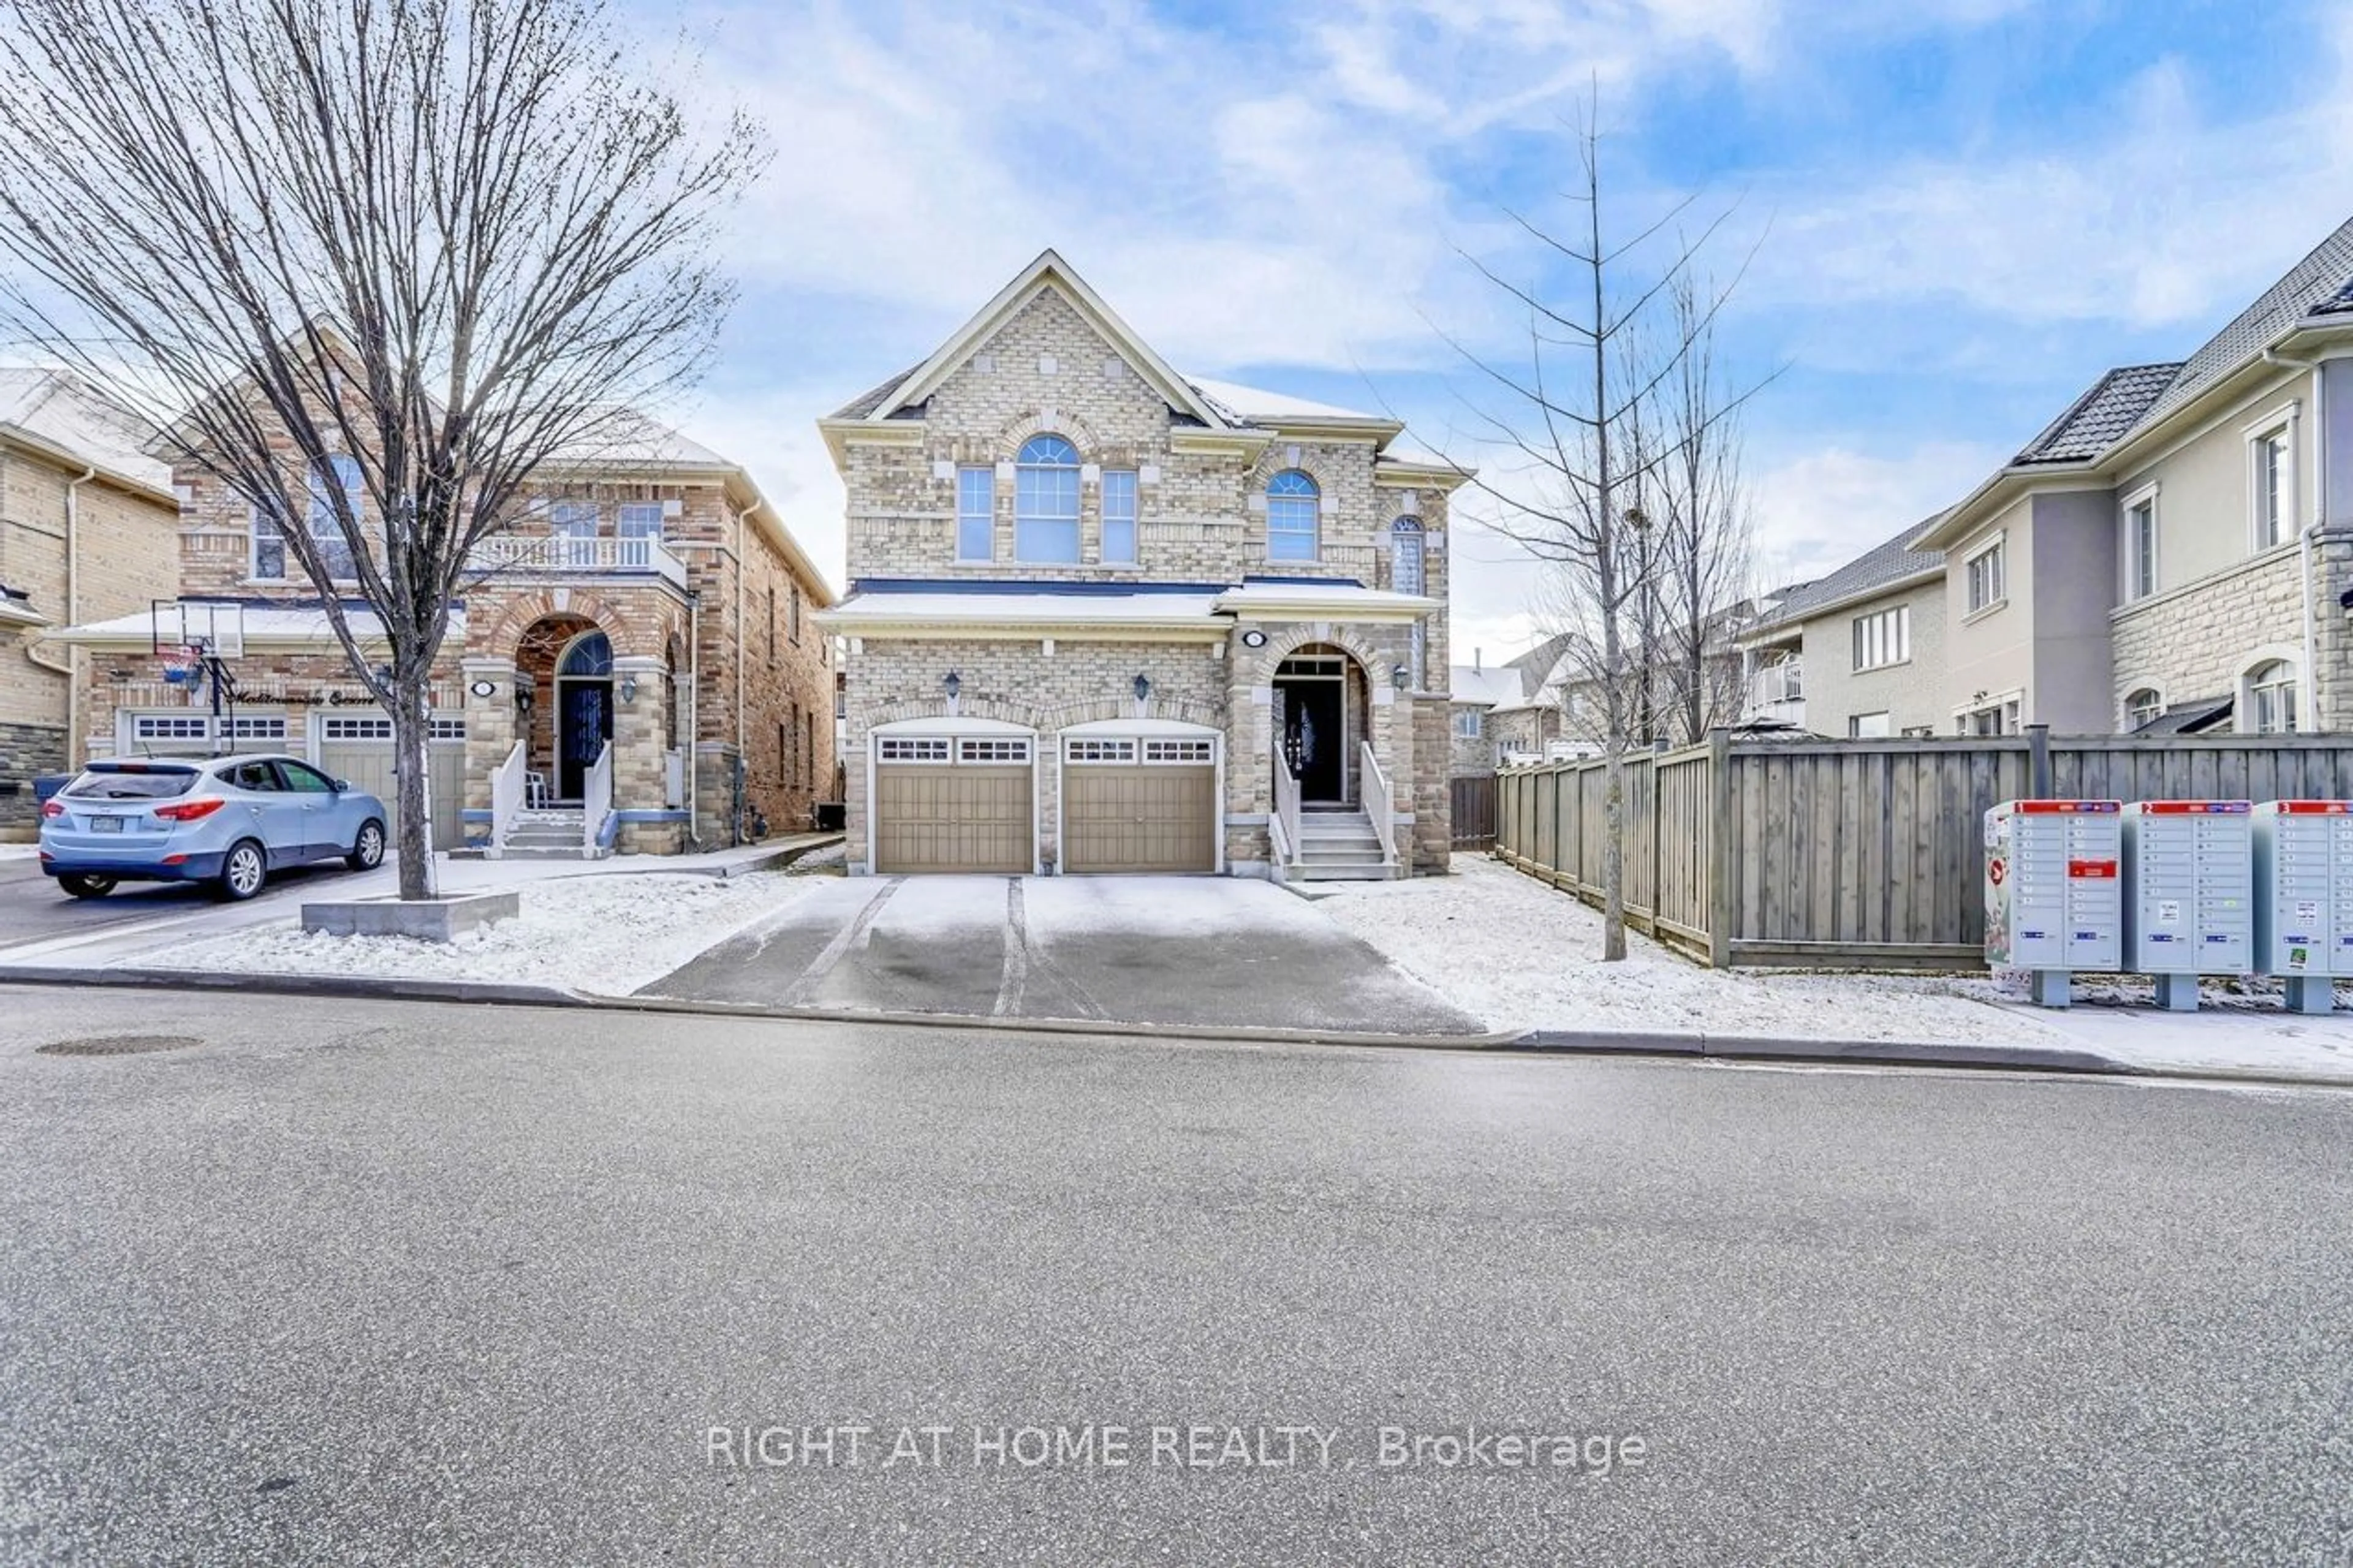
{"type": "Point", "coordinates": [1406, 561]}
{"type": "Point", "coordinates": [1046, 501]}
{"type": "Point", "coordinates": [1294, 507]}
{"type": "Point", "coordinates": [2142, 707]}
{"type": "Point", "coordinates": [2271, 698]}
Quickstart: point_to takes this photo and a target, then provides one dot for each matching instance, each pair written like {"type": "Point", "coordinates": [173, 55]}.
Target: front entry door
{"type": "Point", "coordinates": [1314, 737]}
{"type": "Point", "coordinates": [584, 724]}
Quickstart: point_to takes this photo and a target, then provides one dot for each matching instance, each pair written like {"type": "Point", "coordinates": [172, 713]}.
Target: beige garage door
{"type": "Point", "coordinates": [360, 749]}
{"type": "Point", "coordinates": [1139, 804]}
{"type": "Point", "coordinates": [945, 804]}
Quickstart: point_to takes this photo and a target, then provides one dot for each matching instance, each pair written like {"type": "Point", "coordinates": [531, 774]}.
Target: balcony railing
{"type": "Point", "coordinates": [562, 555]}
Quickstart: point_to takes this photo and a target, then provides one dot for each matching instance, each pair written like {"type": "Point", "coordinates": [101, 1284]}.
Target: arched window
{"type": "Point", "coordinates": [1408, 575]}
{"type": "Point", "coordinates": [1292, 509]}
{"type": "Point", "coordinates": [590, 657]}
{"type": "Point", "coordinates": [341, 474]}
{"type": "Point", "coordinates": [2271, 698]}
{"type": "Point", "coordinates": [2142, 707]}
{"type": "Point", "coordinates": [1046, 501]}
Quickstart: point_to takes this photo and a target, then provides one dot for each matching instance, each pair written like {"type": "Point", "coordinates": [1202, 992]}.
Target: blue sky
{"type": "Point", "coordinates": [1961, 210]}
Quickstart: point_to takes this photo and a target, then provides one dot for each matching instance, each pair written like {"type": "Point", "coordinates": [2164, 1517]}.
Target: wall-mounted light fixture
{"type": "Point", "coordinates": [1143, 688]}
{"type": "Point", "coordinates": [1400, 677]}
{"type": "Point", "coordinates": [951, 685]}
{"type": "Point", "coordinates": [629, 689]}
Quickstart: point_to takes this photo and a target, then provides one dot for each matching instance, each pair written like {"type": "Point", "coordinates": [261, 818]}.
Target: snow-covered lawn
{"type": "Point", "coordinates": [1519, 955]}
{"type": "Point", "coordinates": [604, 933]}
{"type": "Point", "coordinates": [20, 851]}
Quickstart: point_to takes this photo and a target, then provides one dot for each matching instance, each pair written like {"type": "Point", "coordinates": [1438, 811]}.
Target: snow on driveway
{"type": "Point", "coordinates": [20, 851]}
{"type": "Point", "coordinates": [604, 933]}
{"type": "Point", "coordinates": [1522, 956]}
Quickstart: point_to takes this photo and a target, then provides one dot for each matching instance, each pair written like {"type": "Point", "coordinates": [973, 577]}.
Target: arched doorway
{"type": "Point", "coordinates": [584, 709]}
{"type": "Point", "coordinates": [1320, 697]}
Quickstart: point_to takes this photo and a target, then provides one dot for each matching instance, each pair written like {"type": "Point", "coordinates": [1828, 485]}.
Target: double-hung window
{"type": "Point", "coordinates": [1882, 638]}
{"type": "Point", "coordinates": [1986, 586]}
{"type": "Point", "coordinates": [1467, 722]}
{"type": "Point", "coordinates": [975, 514]}
{"type": "Point", "coordinates": [572, 531]}
{"type": "Point", "coordinates": [2271, 487]}
{"type": "Point", "coordinates": [341, 475]}
{"type": "Point", "coordinates": [1046, 501]}
{"type": "Point", "coordinates": [638, 524]}
{"type": "Point", "coordinates": [2271, 692]}
{"type": "Point", "coordinates": [1119, 517]}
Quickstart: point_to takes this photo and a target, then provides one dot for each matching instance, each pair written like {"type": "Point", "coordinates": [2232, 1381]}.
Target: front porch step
{"type": "Point", "coordinates": [576, 851]}
{"type": "Point", "coordinates": [1373, 870]}
{"type": "Point", "coordinates": [1348, 852]}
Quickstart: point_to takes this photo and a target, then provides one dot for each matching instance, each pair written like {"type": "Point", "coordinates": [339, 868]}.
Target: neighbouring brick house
{"type": "Point", "coordinates": [634, 666]}
{"type": "Point", "coordinates": [87, 524]}
{"type": "Point", "coordinates": [1106, 616]}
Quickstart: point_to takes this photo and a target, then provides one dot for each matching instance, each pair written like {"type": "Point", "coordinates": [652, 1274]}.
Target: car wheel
{"type": "Point", "coordinates": [367, 849]}
{"type": "Point", "coordinates": [243, 870]}
{"type": "Point", "coordinates": [87, 886]}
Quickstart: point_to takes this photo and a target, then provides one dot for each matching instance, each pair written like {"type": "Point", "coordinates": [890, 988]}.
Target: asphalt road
{"type": "Point", "coordinates": [372, 1281]}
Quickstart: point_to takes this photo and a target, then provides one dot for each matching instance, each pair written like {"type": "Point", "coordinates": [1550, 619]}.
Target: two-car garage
{"type": "Point", "coordinates": [1138, 798]}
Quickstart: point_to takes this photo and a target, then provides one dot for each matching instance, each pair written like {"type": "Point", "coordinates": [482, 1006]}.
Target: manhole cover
{"type": "Point", "coordinates": [116, 1045]}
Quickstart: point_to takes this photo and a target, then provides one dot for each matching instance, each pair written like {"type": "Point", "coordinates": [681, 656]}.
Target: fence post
{"type": "Point", "coordinates": [1720, 901]}
{"type": "Point", "coordinates": [2038, 760]}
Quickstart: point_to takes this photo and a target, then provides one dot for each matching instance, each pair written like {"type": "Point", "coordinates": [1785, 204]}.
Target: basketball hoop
{"type": "Point", "coordinates": [181, 663]}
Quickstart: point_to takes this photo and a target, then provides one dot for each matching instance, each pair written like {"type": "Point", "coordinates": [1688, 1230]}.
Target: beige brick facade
{"type": "Point", "coordinates": [74, 543]}
{"type": "Point", "coordinates": [1048, 358]}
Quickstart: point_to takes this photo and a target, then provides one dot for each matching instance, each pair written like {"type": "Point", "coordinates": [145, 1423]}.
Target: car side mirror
{"type": "Point", "coordinates": [342, 786]}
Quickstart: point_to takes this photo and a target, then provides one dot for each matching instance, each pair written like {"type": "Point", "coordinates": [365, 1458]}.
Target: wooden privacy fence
{"type": "Point", "coordinates": [1856, 854]}
{"type": "Point", "coordinates": [1472, 803]}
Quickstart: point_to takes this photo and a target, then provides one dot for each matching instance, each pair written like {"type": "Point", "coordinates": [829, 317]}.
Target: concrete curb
{"type": "Point", "coordinates": [1513, 1042]}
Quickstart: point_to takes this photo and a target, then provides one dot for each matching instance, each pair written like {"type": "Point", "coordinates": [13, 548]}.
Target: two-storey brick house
{"type": "Point", "coordinates": [1105, 616]}
{"type": "Point", "coordinates": [633, 665]}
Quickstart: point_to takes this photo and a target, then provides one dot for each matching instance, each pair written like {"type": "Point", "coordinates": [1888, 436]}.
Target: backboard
{"type": "Point", "coordinates": [216, 630]}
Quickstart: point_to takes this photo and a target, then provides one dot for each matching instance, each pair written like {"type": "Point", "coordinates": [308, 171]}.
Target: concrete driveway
{"type": "Point", "coordinates": [1218, 950]}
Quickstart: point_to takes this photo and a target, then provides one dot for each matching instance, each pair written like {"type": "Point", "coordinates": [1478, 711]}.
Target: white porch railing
{"type": "Point", "coordinates": [1379, 804]}
{"type": "Point", "coordinates": [506, 798]}
{"type": "Point", "coordinates": [564, 554]}
{"type": "Point", "coordinates": [1283, 827]}
{"type": "Point", "coordinates": [596, 799]}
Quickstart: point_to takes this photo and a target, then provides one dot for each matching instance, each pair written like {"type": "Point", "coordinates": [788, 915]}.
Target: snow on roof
{"type": "Point", "coordinates": [628, 436]}
{"type": "Point", "coordinates": [53, 407]}
{"type": "Point", "coordinates": [1336, 596]}
{"type": "Point", "coordinates": [1025, 608]}
{"type": "Point", "coordinates": [1493, 686]}
{"type": "Point", "coordinates": [295, 624]}
{"type": "Point", "coordinates": [1250, 404]}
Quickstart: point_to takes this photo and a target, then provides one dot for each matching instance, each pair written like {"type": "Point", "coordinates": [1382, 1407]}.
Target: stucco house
{"type": "Point", "coordinates": [1106, 616]}
{"type": "Point", "coordinates": [1857, 653]}
{"type": "Point", "coordinates": [634, 664]}
{"type": "Point", "coordinates": [2175, 551]}
{"type": "Point", "coordinates": [87, 528]}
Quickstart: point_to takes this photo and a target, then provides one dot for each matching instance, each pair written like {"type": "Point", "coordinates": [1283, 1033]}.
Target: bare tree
{"type": "Point", "coordinates": [1705, 567]}
{"type": "Point", "coordinates": [1580, 413]}
{"type": "Point", "coordinates": [449, 240]}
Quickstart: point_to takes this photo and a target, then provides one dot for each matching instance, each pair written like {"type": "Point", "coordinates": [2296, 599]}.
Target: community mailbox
{"type": "Point", "coordinates": [2055, 903]}
{"type": "Point", "coordinates": [2304, 897]}
{"type": "Point", "coordinates": [2189, 893]}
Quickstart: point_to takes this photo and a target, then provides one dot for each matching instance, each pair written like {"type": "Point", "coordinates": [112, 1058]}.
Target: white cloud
{"type": "Point", "coordinates": [1818, 510]}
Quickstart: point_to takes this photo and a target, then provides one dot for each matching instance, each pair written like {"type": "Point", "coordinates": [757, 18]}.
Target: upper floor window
{"type": "Point", "coordinates": [1882, 638]}
{"type": "Point", "coordinates": [975, 514]}
{"type": "Point", "coordinates": [638, 525]}
{"type": "Point", "coordinates": [2142, 707]}
{"type": "Point", "coordinates": [2140, 548]}
{"type": "Point", "coordinates": [1046, 501]}
{"type": "Point", "coordinates": [1467, 723]}
{"type": "Point", "coordinates": [1119, 517]}
{"type": "Point", "coordinates": [1293, 507]}
{"type": "Point", "coordinates": [1406, 560]}
{"type": "Point", "coordinates": [793, 614]}
{"type": "Point", "coordinates": [2271, 698]}
{"type": "Point", "coordinates": [2270, 453]}
{"type": "Point", "coordinates": [341, 474]}
{"type": "Point", "coordinates": [1987, 584]}
{"type": "Point", "coordinates": [574, 522]}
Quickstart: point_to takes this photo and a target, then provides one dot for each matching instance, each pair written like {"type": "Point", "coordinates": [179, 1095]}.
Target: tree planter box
{"type": "Point", "coordinates": [427, 919]}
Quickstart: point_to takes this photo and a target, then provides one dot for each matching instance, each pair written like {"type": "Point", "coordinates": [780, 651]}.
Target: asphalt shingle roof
{"type": "Point", "coordinates": [2322, 281]}
{"type": "Point", "coordinates": [1878, 567]}
{"type": "Point", "coordinates": [2094, 421]}
{"type": "Point", "coordinates": [863, 405]}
